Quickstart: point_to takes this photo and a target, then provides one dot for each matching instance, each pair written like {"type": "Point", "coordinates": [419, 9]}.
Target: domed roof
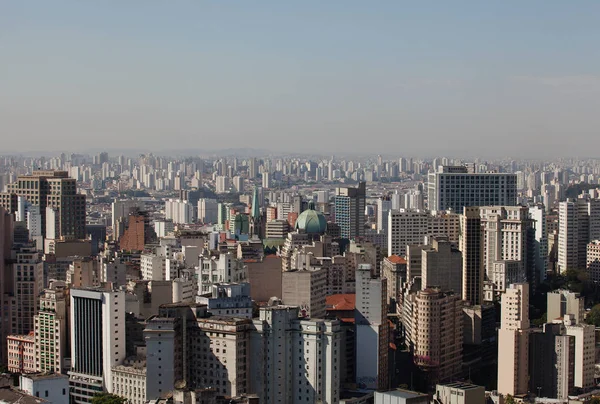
{"type": "Point", "coordinates": [311, 221]}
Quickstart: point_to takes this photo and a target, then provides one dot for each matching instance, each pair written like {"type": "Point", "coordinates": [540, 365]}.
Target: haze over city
{"type": "Point", "coordinates": [503, 79]}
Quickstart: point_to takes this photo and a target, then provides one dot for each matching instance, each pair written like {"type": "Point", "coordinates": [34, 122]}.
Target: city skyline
{"type": "Point", "coordinates": [492, 80]}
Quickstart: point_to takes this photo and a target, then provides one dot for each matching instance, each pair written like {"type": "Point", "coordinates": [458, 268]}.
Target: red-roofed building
{"type": "Point", "coordinates": [341, 307]}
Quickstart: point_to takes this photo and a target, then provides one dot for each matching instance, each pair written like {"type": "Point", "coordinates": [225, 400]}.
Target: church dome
{"type": "Point", "coordinates": [310, 221]}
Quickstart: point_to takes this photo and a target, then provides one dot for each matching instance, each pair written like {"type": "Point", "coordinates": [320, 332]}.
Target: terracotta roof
{"type": "Point", "coordinates": [396, 259]}
{"type": "Point", "coordinates": [341, 302]}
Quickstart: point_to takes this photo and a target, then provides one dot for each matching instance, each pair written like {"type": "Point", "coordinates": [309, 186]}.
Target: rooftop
{"type": "Point", "coordinates": [340, 302]}
{"type": "Point", "coordinates": [396, 259]}
{"type": "Point", "coordinates": [406, 394]}
{"type": "Point", "coordinates": [8, 395]}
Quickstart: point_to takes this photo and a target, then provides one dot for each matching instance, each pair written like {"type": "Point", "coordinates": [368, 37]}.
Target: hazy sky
{"type": "Point", "coordinates": [396, 77]}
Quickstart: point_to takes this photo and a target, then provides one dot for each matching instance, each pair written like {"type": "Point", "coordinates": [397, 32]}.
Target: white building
{"type": "Point", "coordinates": [129, 381]}
{"type": "Point", "coordinates": [225, 268]}
{"type": "Point", "coordinates": [453, 187]}
{"type": "Point", "coordinates": [513, 341]}
{"type": "Point", "coordinates": [153, 267]}
{"type": "Point", "coordinates": [221, 184]}
{"type": "Point", "coordinates": [579, 223]}
{"type": "Point", "coordinates": [508, 235]}
{"type": "Point", "coordinates": [180, 212]}
{"type": "Point", "coordinates": [229, 300]}
{"type": "Point", "coordinates": [295, 361]}
{"type": "Point", "coordinates": [266, 180]}
{"type": "Point", "coordinates": [52, 387]}
{"type": "Point", "coordinates": [97, 340]}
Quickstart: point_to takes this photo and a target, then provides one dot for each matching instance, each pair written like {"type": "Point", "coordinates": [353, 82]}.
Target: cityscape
{"type": "Point", "coordinates": [274, 202]}
{"type": "Point", "coordinates": [278, 279]}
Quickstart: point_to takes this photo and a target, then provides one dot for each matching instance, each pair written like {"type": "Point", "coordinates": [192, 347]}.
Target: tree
{"type": "Point", "coordinates": [509, 399]}
{"type": "Point", "coordinates": [593, 316]}
{"type": "Point", "coordinates": [106, 398]}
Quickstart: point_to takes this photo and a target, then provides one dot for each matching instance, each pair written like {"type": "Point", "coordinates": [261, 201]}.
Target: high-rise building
{"type": "Point", "coordinates": [54, 189]}
{"type": "Point", "coordinates": [51, 330]}
{"type": "Point", "coordinates": [453, 187]}
{"type": "Point", "coordinates": [513, 341]}
{"type": "Point", "coordinates": [266, 180]}
{"type": "Point", "coordinates": [471, 246]}
{"type": "Point", "coordinates": [27, 282]}
{"type": "Point", "coordinates": [551, 362]}
{"type": "Point", "coordinates": [434, 331]}
{"type": "Point", "coordinates": [441, 266]}
{"type": "Point", "coordinates": [307, 290]}
{"type": "Point", "coordinates": [97, 326]}
{"type": "Point", "coordinates": [179, 211]}
{"type": "Point", "coordinates": [585, 357]}
{"type": "Point", "coordinates": [384, 205]}
{"type": "Point", "coordinates": [350, 211]}
{"type": "Point", "coordinates": [593, 260]}
{"type": "Point", "coordinates": [6, 241]}
{"type": "Point", "coordinates": [207, 210]}
{"type": "Point", "coordinates": [189, 347]}
{"type": "Point", "coordinates": [579, 221]}
{"type": "Point", "coordinates": [406, 227]}
{"type": "Point", "coordinates": [293, 360]}
{"type": "Point", "coordinates": [508, 235]}
{"type": "Point", "coordinates": [372, 330]}
{"type": "Point", "coordinates": [221, 184]}
{"type": "Point", "coordinates": [538, 215]}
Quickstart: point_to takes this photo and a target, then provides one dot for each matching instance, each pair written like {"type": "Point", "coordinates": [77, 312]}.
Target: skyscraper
{"type": "Point", "coordinates": [54, 189]}
{"type": "Point", "coordinates": [513, 341]}
{"type": "Point", "coordinates": [97, 340]}
{"type": "Point", "coordinates": [454, 188]}
{"type": "Point", "coordinates": [472, 248]}
{"type": "Point", "coordinates": [350, 211]}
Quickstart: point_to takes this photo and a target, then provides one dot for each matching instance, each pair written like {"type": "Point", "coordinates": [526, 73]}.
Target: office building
{"type": "Point", "coordinates": [190, 347]}
{"type": "Point", "coordinates": [54, 189]}
{"type": "Point", "coordinates": [97, 323]}
{"type": "Point", "coordinates": [27, 282]}
{"type": "Point", "coordinates": [508, 235]}
{"type": "Point", "coordinates": [434, 331]}
{"type": "Point", "coordinates": [406, 227]}
{"type": "Point", "coordinates": [585, 349]}
{"type": "Point", "coordinates": [513, 341]}
{"type": "Point", "coordinates": [305, 289]}
{"type": "Point", "coordinates": [350, 211]}
{"type": "Point", "coordinates": [453, 187]}
{"type": "Point", "coordinates": [471, 246]}
{"type": "Point", "coordinates": [441, 266]}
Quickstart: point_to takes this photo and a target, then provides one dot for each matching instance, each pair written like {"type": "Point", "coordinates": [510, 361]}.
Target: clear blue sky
{"type": "Point", "coordinates": [448, 77]}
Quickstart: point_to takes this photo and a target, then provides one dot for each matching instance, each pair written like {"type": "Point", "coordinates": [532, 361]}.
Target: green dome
{"type": "Point", "coordinates": [310, 221]}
